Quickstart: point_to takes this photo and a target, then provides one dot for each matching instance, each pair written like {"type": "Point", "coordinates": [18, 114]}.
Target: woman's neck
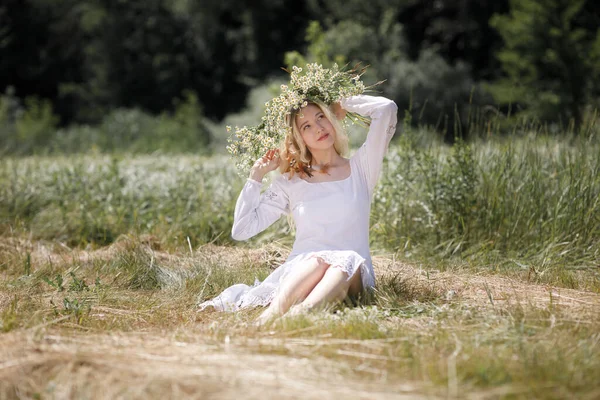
{"type": "Point", "coordinates": [325, 157]}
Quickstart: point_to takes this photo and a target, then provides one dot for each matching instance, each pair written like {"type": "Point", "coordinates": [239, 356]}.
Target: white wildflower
{"type": "Point", "coordinates": [316, 83]}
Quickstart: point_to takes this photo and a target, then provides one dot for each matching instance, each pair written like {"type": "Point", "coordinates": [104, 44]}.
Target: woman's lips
{"type": "Point", "coordinates": [323, 137]}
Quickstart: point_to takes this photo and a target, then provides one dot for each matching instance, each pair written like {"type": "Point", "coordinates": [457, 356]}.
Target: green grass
{"type": "Point", "coordinates": [85, 200]}
{"type": "Point", "coordinates": [529, 203]}
{"type": "Point", "coordinates": [528, 206]}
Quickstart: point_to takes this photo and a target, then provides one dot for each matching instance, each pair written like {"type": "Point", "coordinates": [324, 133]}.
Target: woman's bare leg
{"type": "Point", "coordinates": [332, 288]}
{"type": "Point", "coordinates": [295, 287]}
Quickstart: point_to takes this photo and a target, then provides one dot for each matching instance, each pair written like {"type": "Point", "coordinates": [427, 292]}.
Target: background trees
{"type": "Point", "coordinates": [91, 56]}
{"type": "Point", "coordinates": [441, 58]}
{"type": "Point", "coordinates": [551, 58]}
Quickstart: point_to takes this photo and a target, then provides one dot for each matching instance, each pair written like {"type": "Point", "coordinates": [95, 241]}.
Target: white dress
{"type": "Point", "coordinates": [331, 218]}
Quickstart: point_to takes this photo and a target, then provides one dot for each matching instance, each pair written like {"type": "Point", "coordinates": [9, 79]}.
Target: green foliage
{"type": "Point", "coordinates": [136, 131]}
{"type": "Point", "coordinates": [349, 41]}
{"type": "Point", "coordinates": [551, 59]}
{"type": "Point", "coordinates": [85, 200]}
{"type": "Point", "coordinates": [27, 264]}
{"type": "Point", "coordinates": [78, 304]}
{"type": "Point", "coordinates": [25, 129]}
{"type": "Point", "coordinates": [77, 284]}
{"type": "Point", "coordinates": [37, 122]}
{"type": "Point", "coordinates": [532, 199]}
{"type": "Point", "coordinates": [57, 282]}
{"type": "Point", "coordinates": [125, 55]}
{"type": "Point", "coordinates": [78, 308]}
{"type": "Point", "coordinates": [318, 50]}
{"type": "Point", "coordinates": [90, 57]}
{"type": "Point", "coordinates": [185, 129]}
{"type": "Point", "coordinates": [436, 93]}
{"type": "Point", "coordinates": [32, 130]}
{"type": "Point", "coordinates": [529, 203]}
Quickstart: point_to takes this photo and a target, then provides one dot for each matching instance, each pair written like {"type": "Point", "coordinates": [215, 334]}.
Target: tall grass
{"type": "Point", "coordinates": [532, 200]}
{"type": "Point", "coordinates": [92, 200]}
{"type": "Point", "coordinates": [529, 204]}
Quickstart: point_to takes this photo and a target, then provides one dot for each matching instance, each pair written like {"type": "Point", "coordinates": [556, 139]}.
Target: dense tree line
{"type": "Point", "coordinates": [91, 56]}
{"type": "Point", "coordinates": [440, 56]}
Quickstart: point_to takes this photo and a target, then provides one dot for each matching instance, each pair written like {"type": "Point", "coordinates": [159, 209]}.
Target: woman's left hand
{"type": "Point", "coordinates": [267, 163]}
{"type": "Point", "coordinates": [338, 111]}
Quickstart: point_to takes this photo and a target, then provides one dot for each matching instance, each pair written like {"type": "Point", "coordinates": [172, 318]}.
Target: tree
{"type": "Point", "coordinates": [435, 92]}
{"type": "Point", "coordinates": [457, 30]}
{"type": "Point", "coordinates": [551, 58]}
{"type": "Point", "coordinates": [91, 56]}
{"type": "Point", "coordinates": [40, 46]}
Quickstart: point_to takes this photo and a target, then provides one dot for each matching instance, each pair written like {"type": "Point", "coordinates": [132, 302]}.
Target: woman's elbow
{"type": "Point", "coordinates": [386, 108]}
{"type": "Point", "coordinates": [392, 107]}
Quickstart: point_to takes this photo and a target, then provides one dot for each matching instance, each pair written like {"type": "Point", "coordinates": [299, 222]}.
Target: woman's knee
{"type": "Point", "coordinates": [351, 285]}
{"type": "Point", "coordinates": [317, 263]}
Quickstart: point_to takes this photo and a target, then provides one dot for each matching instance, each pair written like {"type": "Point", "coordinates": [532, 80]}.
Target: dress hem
{"type": "Point", "coordinates": [241, 296]}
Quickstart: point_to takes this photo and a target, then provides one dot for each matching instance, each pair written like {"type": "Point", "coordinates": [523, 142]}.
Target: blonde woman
{"type": "Point", "coordinates": [329, 198]}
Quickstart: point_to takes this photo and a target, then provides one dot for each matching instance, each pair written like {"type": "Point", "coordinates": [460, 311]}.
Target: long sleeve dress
{"type": "Point", "coordinates": [331, 218]}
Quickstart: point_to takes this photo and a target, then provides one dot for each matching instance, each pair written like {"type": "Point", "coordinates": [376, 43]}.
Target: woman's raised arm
{"type": "Point", "coordinates": [383, 114]}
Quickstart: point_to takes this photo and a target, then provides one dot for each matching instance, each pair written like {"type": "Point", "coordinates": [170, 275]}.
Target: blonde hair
{"type": "Point", "coordinates": [295, 155]}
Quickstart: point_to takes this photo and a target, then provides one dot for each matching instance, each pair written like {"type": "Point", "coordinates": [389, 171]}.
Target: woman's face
{"type": "Point", "coordinates": [314, 127]}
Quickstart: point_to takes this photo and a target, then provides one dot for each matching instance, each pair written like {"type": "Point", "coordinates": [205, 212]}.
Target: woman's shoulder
{"type": "Point", "coordinates": [286, 180]}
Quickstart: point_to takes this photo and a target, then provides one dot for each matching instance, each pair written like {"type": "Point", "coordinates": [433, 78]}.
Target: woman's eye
{"type": "Point", "coordinates": [306, 126]}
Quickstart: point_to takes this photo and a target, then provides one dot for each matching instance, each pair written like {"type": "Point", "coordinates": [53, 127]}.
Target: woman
{"type": "Point", "coordinates": [329, 198]}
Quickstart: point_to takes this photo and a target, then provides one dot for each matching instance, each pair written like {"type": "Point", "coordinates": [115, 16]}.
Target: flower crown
{"type": "Point", "coordinates": [315, 83]}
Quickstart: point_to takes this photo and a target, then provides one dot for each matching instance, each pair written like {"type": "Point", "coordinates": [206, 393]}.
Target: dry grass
{"type": "Point", "coordinates": [495, 291]}
{"type": "Point", "coordinates": [424, 333]}
{"type": "Point", "coordinates": [150, 365]}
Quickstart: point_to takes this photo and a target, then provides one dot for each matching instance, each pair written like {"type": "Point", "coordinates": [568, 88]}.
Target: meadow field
{"type": "Point", "coordinates": [487, 256]}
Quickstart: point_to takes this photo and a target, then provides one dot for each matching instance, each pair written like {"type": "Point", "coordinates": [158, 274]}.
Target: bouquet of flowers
{"type": "Point", "coordinates": [312, 83]}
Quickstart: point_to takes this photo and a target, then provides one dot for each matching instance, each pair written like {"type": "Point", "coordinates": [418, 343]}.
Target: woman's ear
{"type": "Point", "coordinates": [338, 111]}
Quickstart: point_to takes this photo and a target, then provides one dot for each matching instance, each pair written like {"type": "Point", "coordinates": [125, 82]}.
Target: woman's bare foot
{"type": "Point", "coordinates": [298, 309]}
{"type": "Point", "coordinates": [267, 316]}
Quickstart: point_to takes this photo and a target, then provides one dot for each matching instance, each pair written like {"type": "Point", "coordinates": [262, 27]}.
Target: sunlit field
{"type": "Point", "coordinates": [487, 257]}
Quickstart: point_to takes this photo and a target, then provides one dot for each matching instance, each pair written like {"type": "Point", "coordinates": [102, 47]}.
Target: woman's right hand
{"type": "Point", "coordinates": [267, 163]}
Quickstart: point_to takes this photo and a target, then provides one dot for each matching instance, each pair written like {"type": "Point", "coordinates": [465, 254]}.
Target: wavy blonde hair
{"type": "Point", "coordinates": [295, 155]}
